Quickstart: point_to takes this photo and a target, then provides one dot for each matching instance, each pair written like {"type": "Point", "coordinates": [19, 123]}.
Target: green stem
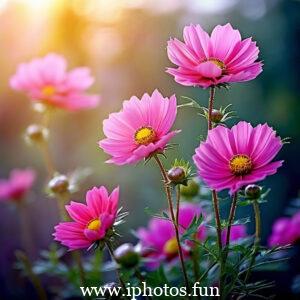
{"type": "Point", "coordinates": [44, 146]}
{"type": "Point", "coordinates": [257, 222]}
{"type": "Point", "coordinates": [230, 219]}
{"type": "Point", "coordinates": [196, 262]}
{"type": "Point", "coordinates": [111, 252]}
{"type": "Point", "coordinates": [214, 193]}
{"type": "Point", "coordinates": [217, 219]}
{"type": "Point", "coordinates": [210, 106]}
{"type": "Point", "coordinates": [77, 258]}
{"type": "Point", "coordinates": [257, 237]}
{"type": "Point", "coordinates": [47, 158]}
{"type": "Point", "coordinates": [206, 272]}
{"type": "Point", "coordinates": [229, 224]}
{"type": "Point", "coordinates": [170, 203]}
{"type": "Point", "coordinates": [177, 204]}
{"type": "Point", "coordinates": [26, 237]}
{"type": "Point", "coordinates": [32, 276]}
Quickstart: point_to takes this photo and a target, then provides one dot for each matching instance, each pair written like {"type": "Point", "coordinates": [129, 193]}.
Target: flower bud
{"type": "Point", "coordinates": [176, 175]}
{"type": "Point", "coordinates": [253, 191]}
{"type": "Point", "coordinates": [126, 255]}
{"type": "Point", "coordinates": [191, 190]}
{"type": "Point", "coordinates": [39, 107]}
{"type": "Point", "coordinates": [36, 133]}
{"type": "Point", "coordinates": [216, 116]}
{"type": "Point", "coordinates": [59, 184]}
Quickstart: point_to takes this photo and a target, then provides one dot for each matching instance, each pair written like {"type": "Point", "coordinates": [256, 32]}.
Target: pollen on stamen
{"type": "Point", "coordinates": [240, 165]}
{"type": "Point", "coordinates": [48, 90]}
{"type": "Point", "coordinates": [94, 224]}
{"type": "Point", "coordinates": [218, 62]}
{"type": "Point", "coordinates": [171, 247]}
{"type": "Point", "coordinates": [145, 136]}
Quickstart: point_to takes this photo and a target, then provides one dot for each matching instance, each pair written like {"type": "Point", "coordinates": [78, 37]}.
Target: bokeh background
{"type": "Point", "coordinates": [124, 43]}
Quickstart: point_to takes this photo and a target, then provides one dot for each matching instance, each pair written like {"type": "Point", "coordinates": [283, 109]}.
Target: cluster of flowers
{"type": "Point", "coordinates": [228, 159]}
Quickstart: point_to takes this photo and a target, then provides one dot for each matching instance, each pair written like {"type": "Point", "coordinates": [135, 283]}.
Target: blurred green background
{"type": "Point", "coordinates": [124, 43]}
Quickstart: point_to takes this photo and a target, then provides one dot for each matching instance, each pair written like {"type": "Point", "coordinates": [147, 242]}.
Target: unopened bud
{"type": "Point", "coordinates": [176, 175]}
{"type": "Point", "coordinates": [190, 190]}
{"type": "Point", "coordinates": [126, 255]}
{"type": "Point", "coordinates": [253, 191]}
{"type": "Point", "coordinates": [36, 133]}
{"type": "Point", "coordinates": [216, 116]}
{"type": "Point", "coordinates": [59, 184]}
{"type": "Point", "coordinates": [39, 107]}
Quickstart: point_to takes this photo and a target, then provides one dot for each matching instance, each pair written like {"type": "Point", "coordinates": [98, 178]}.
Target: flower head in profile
{"type": "Point", "coordinates": [285, 231]}
{"type": "Point", "coordinates": [17, 185]}
{"type": "Point", "coordinates": [45, 80]}
{"type": "Point", "coordinates": [141, 128]}
{"type": "Point", "coordinates": [233, 158]}
{"type": "Point", "coordinates": [206, 61]}
{"type": "Point", "coordinates": [158, 241]}
{"type": "Point", "coordinates": [237, 233]}
{"type": "Point", "coordinates": [91, 222]}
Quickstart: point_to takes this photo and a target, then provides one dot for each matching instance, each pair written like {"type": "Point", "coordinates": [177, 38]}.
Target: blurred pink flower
{"type": "Point", "coordinates": [91, 221]}
{"type": "Point", "coordinates": [139, 129]}
{"type": "Point", "coordinates": [285, 231]}
{"type": "Point", "coordinates": [237, 233]}
{"type": "Point", "coordinates": [17, 185]}
{"type": "Point", "coordinates": [206, 61]}
{"type": "Point", "coordinates": [158, 241]}
{"type": "Point", "coordinates": [46, 80]}
{"type": "Point", "coordinates": [232, 158]}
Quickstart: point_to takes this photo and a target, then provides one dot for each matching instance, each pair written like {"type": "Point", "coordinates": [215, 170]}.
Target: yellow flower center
{"type": "Point", "coordinates": [217, 62]}
{"type": "Point", "coordinates": [240, 165]}
{"type": "Point", "coordinates": [171, 247]}
{"type": "Point", "coordinates": [94, 224]}
{"type": "Point", "coordinates": [48, 90]}
{"type": "Point", "coordinates": [145, 136]}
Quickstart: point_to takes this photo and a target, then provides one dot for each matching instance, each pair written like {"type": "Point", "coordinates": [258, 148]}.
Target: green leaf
{"type": "Point", "coordinates": [192, 103]}
{"type": "Point", "coordinates": [192, 229]}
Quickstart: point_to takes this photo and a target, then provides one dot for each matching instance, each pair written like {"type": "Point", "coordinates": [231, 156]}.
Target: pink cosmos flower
{"type": "Point", "coordinates": [139, 129]}
{"type": "Point", "coordinates": [237, 233]}
{"type": "Point", "coordinates": [158, 241]}
{"type": "Point", "coordinates": [206, 61]}
{"type": "Point", "coordinates": [46, 80]}
{"type": "Point", "coordinates": [91, 221]}
{"type": "Point", "coordinates": [232, 158]}
{"type": "Point", "coordinates": [285, 231]}
{"type": "Point", "coordinates": [17, 185]}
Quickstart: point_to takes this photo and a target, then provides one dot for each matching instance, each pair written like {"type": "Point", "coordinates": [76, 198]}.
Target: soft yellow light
{"type": "Point", "coordinates": [3, 4]}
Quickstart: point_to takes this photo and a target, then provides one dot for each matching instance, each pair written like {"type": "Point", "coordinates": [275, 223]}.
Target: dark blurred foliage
{"type": "Point", "coordinates": [125, 46]}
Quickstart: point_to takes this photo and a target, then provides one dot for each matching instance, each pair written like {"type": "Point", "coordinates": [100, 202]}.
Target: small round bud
{"type": "Point", "coordinates": [191, 190]}
{"type": "Point", "coordinates": [39, 107]}
{"type": "Point", "coordinates": [36, 133]}
{"type": "Point", "coordinates": [253, 191]}
{"type": "Point", "coordinates": [126, 255]}
{"type": "Point", "coordinates": [176, 174]}
{"type": "Point", "coordinates": [59, 184]}
{"type": "Point", "coordinates": [216, 116]}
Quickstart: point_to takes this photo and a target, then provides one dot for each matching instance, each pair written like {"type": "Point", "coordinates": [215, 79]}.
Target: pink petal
{"type": "Point", "coordinates": [79, 212]}
{"type": "Point", "coordinates": [223, 40]}
{"type": "Point", "coordinates": [198, 40]}
{"type": "Point", "coordinates": [209, 70]}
